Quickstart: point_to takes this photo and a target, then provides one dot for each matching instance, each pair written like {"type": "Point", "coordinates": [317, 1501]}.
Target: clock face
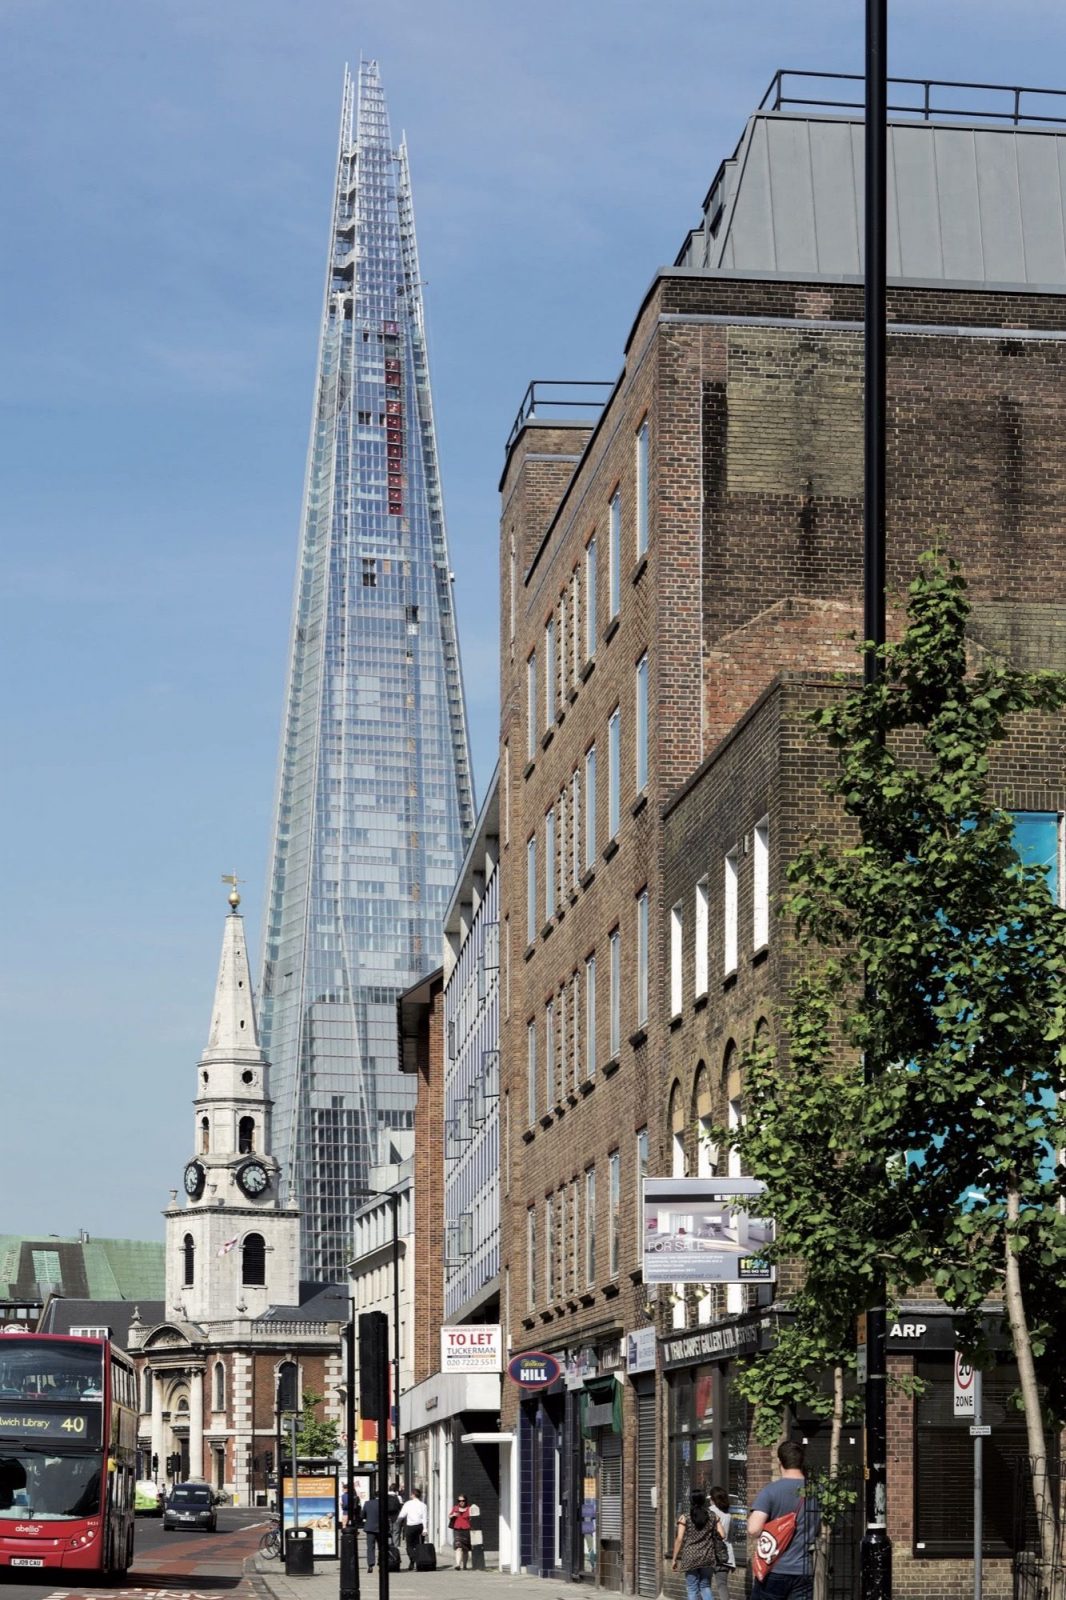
{"type": "Point", "coordinates": [253, 1177]}
{"type": "Point", "coordinates": [194, 1179]}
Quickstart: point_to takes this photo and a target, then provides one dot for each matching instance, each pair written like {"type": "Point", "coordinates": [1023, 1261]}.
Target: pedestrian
{"type": "Point", "coordinates": [372, 1531]}
{"type": "Point", "coordinates": [459, 1523]}
{"type": "Point", "coordinates": [699, 1548]}
{"type": "Point", "coordinates": [393, 1504]}
{"type": "Point", "coordinates": [783, 1524]}
{"type": "Point", "coordinates": [413, 1517]}
{"type": "Point", "coordinates": [720, 1502]}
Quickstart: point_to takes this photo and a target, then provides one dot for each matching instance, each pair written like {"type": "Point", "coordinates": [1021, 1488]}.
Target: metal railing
{"type": "Point", "coordinates": [922, 98]}
{"type": "Point", "coordinates": [539, 399]}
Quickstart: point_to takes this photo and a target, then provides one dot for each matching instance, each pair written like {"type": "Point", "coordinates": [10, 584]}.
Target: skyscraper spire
{"type": "Point", "coordinates": [375, 801]}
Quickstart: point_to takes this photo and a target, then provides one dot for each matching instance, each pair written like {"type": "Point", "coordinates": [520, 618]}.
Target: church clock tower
{"type": "Point", "coordinates": [232, 1247]}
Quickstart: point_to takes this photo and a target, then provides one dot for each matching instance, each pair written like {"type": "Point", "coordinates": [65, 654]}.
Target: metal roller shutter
{"type": "Point", "coordinates": [647, 1516]}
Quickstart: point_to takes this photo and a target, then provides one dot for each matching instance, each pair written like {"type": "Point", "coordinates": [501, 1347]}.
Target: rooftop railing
{"type": "Point", "coordinates": [542, 400]}
{"type": "Point", "coordinates": [926, 99]}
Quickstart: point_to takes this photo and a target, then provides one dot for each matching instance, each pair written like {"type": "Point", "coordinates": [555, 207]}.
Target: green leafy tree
{"type": "Point", "coordinates": [315, 1437]}
{"type": "Point", "coordinates": [938, 956]}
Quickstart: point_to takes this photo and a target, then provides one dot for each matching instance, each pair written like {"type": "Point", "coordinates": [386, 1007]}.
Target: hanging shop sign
{"type": "Point", "coordinates": [703, 1230]}
{"type": "Point", "coordinates": [534, 1370]}
{"type": "Point", "coordinates": [471, 1347]}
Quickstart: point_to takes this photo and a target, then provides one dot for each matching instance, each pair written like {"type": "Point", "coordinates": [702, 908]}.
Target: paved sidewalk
{"type": "Point", "coordinates": [444, 1584]}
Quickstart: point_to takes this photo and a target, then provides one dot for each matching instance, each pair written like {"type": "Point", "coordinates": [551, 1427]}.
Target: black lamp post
{"type": "Point", "coordinates": [393, 1197]}
{"type": "Point", "coordinates": [876, 1552]}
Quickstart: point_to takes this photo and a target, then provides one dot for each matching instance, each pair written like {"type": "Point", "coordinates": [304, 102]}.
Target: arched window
{"type": "Point", "coordinates": [246, 1136]}
{"type": "Point", "coordinates": [205, 1135]}
{"type": "Point", "coordinates": [288, 1386]}
{"type": "Point", "coordinates": [188, 1252]}
{"type": "Point", "coordinates": [703, 1117]}
{"type": "Point", "coordinates": [219, 1400]}
{"type": "Point", "coordinates": [149, 1378]}
{"type": "Point", "coordinates": [253, 1259]}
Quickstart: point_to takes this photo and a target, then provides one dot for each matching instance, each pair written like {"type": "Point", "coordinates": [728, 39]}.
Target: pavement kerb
{"type": "Point", "coordinates": [446, 1583]}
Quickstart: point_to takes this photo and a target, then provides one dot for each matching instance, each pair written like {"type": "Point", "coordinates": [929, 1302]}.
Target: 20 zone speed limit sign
{"type": "Point", "coordinates": [964, 1396]}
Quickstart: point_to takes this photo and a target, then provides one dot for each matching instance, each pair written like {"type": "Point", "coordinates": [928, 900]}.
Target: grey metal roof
{"type": "Point", "coordinates": [972, 204]}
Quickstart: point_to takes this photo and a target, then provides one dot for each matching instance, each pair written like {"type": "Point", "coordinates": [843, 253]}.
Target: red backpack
{"type": "Point", "coordinates": [772, 1542]}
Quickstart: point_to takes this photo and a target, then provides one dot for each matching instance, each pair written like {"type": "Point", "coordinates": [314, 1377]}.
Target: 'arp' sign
{"type": "Point", "coordinates": [533, 1370]}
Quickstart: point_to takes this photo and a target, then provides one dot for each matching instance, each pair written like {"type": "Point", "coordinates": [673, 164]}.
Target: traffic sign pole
{"type": "Point", "coordinates": [978, 1486]}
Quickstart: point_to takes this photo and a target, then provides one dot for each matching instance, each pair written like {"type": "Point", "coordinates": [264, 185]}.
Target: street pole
{"type": "Point", "coordinates": [292, 1468]}
{"type": "Point", "coordinates": [978, 1485]}
{"type": "Point", "coordinates": [395, 1198]}
{"type": "Point", "coordinates": [349, 1573]}
{"type": "Point", "coordinates": [876, 1552]}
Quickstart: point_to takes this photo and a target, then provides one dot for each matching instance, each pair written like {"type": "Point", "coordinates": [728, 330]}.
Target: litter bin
{"type": "Point", "coordinates": [299, 1553]}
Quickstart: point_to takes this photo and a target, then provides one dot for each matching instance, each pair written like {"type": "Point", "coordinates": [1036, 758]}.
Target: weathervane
{"type": "Point", "coordinates": [232, 879]}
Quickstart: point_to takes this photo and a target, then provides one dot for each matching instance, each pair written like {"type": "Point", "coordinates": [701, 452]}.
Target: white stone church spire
{"type": "Point", "coordinates": [233, 1025]}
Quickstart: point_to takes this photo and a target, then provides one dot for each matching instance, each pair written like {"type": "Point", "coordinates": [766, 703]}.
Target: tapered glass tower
{"type": "Point", "coordinates": [374, 798]}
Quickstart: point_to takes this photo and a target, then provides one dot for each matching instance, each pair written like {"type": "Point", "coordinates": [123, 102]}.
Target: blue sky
{"type": "Point", "coordinates": [165, 173]}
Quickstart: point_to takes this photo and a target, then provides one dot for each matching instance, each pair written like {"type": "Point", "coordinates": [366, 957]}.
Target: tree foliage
{"type": "Point", "coordinates": [315, 1436]}
{"type": "Point", "coordinates": [931, 950]}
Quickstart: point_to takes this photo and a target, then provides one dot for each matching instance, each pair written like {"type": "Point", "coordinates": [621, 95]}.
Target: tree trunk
{"type": "Point", "coordinates": [821, 1547]}
{"type": "Point", "coordinates": [1046, 1515]}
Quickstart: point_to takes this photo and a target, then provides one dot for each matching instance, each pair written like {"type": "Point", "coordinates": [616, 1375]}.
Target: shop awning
{"type": "Point", "coordinates": [486, 1438]}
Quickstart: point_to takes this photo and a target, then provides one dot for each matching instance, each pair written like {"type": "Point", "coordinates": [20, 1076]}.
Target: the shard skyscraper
{"type": "Point", "coordinates": [374, 797]}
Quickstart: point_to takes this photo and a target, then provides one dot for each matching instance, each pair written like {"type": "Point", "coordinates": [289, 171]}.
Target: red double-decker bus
{"type": "Point", "coordinates": [68, 1437]}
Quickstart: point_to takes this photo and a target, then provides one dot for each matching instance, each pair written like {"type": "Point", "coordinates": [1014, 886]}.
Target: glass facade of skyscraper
{"type": "Point", "coordinates": [375, 800]}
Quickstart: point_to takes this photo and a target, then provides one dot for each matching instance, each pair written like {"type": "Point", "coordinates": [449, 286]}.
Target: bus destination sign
{"type": "Point", "coordinates": [73, 1424]}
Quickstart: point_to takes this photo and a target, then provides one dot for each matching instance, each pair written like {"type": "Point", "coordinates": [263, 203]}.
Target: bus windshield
{"type": "Point", "coordinates": [32, 1369]}
{"type": "Point", "coordinates": [48, 1487]}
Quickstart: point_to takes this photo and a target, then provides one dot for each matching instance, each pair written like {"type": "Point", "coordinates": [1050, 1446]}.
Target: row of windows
{"type": "Point", "coordinates": [759, 849]}
{"type": "Point", "coordinates": [570, 1020]}
{"type": "Point", "coordinates": [566, 853]}
{"type": "Point", "coordinates": [568, 1264]}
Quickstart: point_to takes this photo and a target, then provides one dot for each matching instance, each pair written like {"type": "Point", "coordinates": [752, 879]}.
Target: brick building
{"type": "Point", "coordinates": [680, 579]}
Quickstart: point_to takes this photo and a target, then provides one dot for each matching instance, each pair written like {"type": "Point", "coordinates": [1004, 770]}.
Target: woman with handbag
{"type": "Point", "coordinates": [459, 1523]}
{"type": "Point", "coordinates": [699, 1548]}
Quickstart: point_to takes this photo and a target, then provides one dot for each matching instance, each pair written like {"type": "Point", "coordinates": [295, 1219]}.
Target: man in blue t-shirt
{"type": "Point", "coordinates": [791, 1576]}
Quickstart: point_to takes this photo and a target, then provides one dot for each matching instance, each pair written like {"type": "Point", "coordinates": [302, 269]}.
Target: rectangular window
{"type": "Point", "coordinates": [676, 960]}
{"type": "Point", "coordinates": [642, 724]}
{"type": "Point", "coordinates": [614, 1172]}
{"type": "Point", "coordinates": [614, 773]}
{"type": "Point", "coordinates": [590, 1225]}
{"type": "Point", "coordinates": [614, 556]}
{"type": "Point", "coordinates": [531, 1256]}
{"type": "Point", "coordinates": [531, 889]}
{"type": "Point", "coordinates": [760, 885]}
{"type": "Point", "coordinates": [642, 958]}
{"type": "Point", "coordinates": [564, 1245]}
{"type": "Point", "coordinates": [642, 1173]}
{"type": "Point", "coordinates": [549, 864]}
{"type": "Point", "coordinates": [590, 806]}
{"type": "Point", "coordinates": [531, 706]}
{"type": "Point", "coordinates": [560, 863]}
{"type": "Point", "coordinates": [531, 1069]}
{"type": "Point", "coordinates": [575, 1231]}
{"type": "Point", "coordinates": [575, 625]}
{"type": "Point", "coordinates": [575, 824]}
{"type": "Point", "coordinates": [575, 1028]}
{"type": "Point", "coordinates": [701, 937]}
{"type": "Point", "coordinates": [614, 1042]}
{"type": "Point", "coordinates": [551, 667]}
{"type": "Point", "coordinates": [549, 1248]}
{"type": "Point", "coordinates": [729, 936]}
{"type": "Point", "coordinates": [590, 598]}
{"type": "Point", "coordinates": [642, 488]}
{"type": "Point", "coordinates": [590, 1016]}
{"type": "Point", "coordinates": [550, 1096]}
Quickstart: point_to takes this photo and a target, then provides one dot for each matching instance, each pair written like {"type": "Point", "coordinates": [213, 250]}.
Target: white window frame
{"type": "Point", "coordinates": [730, 906]}
{"type": "Point", "coordinates": [575, 825]}
{"type": "Point", "coordinates": [614, 1206]}
{"type": "Point", "coordinates": [590, 1225]}
{"type": "Point", "coordinates": [549, 1248]}
{"type": "Point", "coordinates": [550, 1096]}
{"type": "Point", "coordinates": [531, 888]}
{"type": "Point", "coordinates": [641, 695]}
{"type": "Point", "coordinates": [701, 939]}
{"type": "Point", "coordinates": [575, 625]}
{"type": "Point", "coordinates": [614, 772]}
{"type": "Point", "coordinates": [590, 1015]}
{"type": "Point", "coordinates": [531, 705]}
{"type": "Point", "coordinates": [549, 864]}
{"type": "Point", "coordinates": [531, 1256]}
{"type": "Point", "coordinates": [590, 598]}
{"type": "Point", "coordinates": [614, 1041]}
{"type": "Point", "coordinates": [643, 984]}
{"type": "Point", "coordinates": [760, 884]}
{"type": "Point", "coordinates": [531, 1069]}
{"type": "Point", "coordinates": [614, 555]}
{"type": "Point", "coordinates": [642, 487]}
{"type": "Point", "coordinates": [590, 807]}
{"type": "Point", "coordinates": [643, 1149]}
{"type": "Point", "coordinates": [677, 953]}
{"type": "Point", "coordinates": [551, 667]}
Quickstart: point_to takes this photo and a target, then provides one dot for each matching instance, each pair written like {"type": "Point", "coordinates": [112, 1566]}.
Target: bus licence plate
{"type": "Point", "coordinates": [27, 1561]}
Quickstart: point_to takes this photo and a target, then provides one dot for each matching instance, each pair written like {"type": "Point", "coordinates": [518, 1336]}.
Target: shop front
{"type": "Point", "coordinates": [453, 1447]}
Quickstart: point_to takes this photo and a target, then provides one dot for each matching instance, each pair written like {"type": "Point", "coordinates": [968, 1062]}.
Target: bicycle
{"type": "Point", "coordinates": [270, 1542]}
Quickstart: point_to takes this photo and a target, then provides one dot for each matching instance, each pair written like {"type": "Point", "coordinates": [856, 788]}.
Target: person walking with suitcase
{"type": "Point", "coordinates": [413, 1518]}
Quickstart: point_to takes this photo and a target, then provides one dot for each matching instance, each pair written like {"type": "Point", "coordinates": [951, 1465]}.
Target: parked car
{"type": "Point", "coordinates": [148, 1498]}
{"type": "Point", "coordinates": [191, 1505]}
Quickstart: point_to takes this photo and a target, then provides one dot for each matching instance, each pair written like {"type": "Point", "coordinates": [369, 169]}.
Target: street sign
{"type": "Point", "coordinates": [980, 1430]}
{"type": "Point", "coordinates": [860, 1349]}
{"type": "Point", "coordinates": [963, 1399]}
